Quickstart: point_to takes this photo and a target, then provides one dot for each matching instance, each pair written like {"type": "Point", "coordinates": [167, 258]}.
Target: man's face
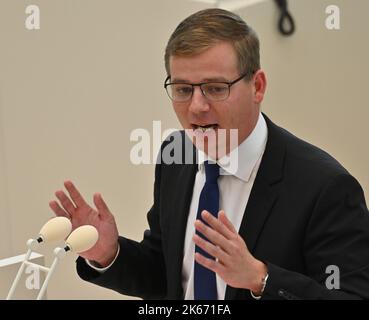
{"type": "Point", "coordinates": [218, 63]}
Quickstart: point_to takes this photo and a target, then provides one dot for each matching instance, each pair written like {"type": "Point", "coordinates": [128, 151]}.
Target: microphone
{"type": "Point", "coordinates": [58, 228]}
{"type": "Point", "coordinates": [82, 239]}
{"type": "Point", "coordinates": [55, 229]}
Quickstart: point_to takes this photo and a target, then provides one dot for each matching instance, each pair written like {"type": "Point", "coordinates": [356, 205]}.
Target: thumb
{"type": "Point", "coordinates": [101, 206]}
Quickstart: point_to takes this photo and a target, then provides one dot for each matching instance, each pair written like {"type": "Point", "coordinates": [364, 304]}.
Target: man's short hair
{"type": "Point", "coordinates": [205, 28]}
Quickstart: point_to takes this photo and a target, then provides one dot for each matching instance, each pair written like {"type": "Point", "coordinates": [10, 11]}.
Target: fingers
{"type": "Point", "coordinates": [223, 218]}
{"type": "Point", "coordinates": [209, 263]}
{"type": "Point", "coordinates": [214, 236]}
{"type": "Point", "coordinates": [74, 194]}
{"type": "Point", "coordinates": [66, 203]}
{"type": "Point", "coordinates": [208, 247]}
{"type": "Point", "coordinates": [58, 210]}
{"type": "Point", "coordinates": [218, 225]}
{"type": "Point", "coordinates": [70, 205]}
{"type": "Point", "coordinates": [101, 206]}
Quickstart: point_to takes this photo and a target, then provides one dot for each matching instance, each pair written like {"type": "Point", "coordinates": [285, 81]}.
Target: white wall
{"type": "Point", "coordinates": [71, 93]}
{"type": "Point", "coordinates": [5, 226]}
{"type": "Point", "coordinates": [318, 79]}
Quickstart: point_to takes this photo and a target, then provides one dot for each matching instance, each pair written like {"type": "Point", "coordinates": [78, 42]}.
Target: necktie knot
{"type": "Point", "coordinates": [211, 172]}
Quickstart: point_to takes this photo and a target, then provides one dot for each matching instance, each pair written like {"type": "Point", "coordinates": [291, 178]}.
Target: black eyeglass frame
{"type": "Point", "coordinates": [200, 84]}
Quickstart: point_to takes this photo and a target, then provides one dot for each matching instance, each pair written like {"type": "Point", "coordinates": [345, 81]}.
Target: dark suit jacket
{"type": "Point", "coordinates": [305, 213]}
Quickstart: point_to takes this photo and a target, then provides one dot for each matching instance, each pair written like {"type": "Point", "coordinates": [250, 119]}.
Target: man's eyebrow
{"type": "Point", "coordinates": [179, 80]}
{"type": "Point", "coordinates": [214, 79]}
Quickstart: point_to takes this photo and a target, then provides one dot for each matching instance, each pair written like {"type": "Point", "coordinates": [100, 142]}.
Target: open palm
{"type": "Point", "coordinates": [80, 213]}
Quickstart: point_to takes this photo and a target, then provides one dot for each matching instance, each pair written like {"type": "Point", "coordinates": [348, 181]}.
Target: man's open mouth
{"type": "Point", "coordinates": [205, 127]}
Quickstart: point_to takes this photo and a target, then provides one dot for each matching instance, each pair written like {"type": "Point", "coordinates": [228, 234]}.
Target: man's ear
{"type": "Point", "coordinates": [260, 84]}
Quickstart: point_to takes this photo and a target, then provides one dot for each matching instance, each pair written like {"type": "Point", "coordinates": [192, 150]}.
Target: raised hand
{"type": "Point", "coordinates": [80, 213]}
{"type": "Point", "coordinates": [234, 263]}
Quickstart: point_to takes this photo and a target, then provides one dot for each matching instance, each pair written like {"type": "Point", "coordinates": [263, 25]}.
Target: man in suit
{"type": "Point", "coordinates": [269, 229]}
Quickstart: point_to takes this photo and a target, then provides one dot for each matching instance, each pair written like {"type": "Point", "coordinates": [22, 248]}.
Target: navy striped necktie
{"type": "Point", "coordinates": [205, 286]}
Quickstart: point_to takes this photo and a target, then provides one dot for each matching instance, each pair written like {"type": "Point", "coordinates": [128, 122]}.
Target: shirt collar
{"type": "Point", "coordinates": [243, 158]}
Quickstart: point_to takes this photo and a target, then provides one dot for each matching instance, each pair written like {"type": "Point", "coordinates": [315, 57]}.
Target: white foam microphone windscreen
{"type": "Point", "coordinates": [82, 238]}
{"type": "Point", "coordinates": [56, 229]}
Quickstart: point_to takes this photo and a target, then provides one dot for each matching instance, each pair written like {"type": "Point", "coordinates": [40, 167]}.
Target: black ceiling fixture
{"type": "Point", "coordinates": [286, 24]}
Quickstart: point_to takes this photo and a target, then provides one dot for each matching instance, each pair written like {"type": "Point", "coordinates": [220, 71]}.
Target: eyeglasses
{"type": "Point", "coordinates": [213, 91]}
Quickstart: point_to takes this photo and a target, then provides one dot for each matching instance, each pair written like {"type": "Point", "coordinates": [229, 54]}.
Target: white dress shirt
{"type": "Point", "coordinates": [234, 192]}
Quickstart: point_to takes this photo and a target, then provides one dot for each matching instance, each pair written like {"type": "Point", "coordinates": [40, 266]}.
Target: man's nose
{"type": "Point", "coordinates": [199, 103]}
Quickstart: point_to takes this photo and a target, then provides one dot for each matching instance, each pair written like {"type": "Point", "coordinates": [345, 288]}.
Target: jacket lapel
{"type": "Point", "coordinates": [263, 195]}
{"type": "Point", "coordinates": [183, 181]}
{"type": "Point", "coordinates": [182, 203]}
